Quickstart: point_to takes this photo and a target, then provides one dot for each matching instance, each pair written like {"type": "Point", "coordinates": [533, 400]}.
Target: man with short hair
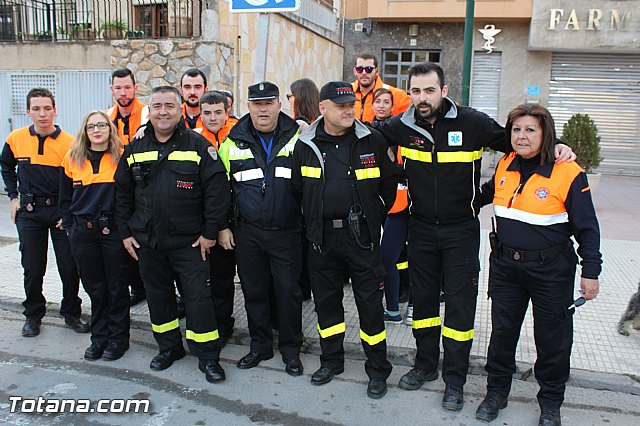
{"type": "Point", "coordinates": [257, 156]}
{"type": "Point", "coordinates": [193, 84]}
{"type": "Point", "coordinates": [37, 151]}
{"type": "Point", "coordinates": [344, 175]}
{"type": "Point", "coordinates": [214, 114]}
{"type": "Point", "coordinates": [232, 118]}
{"type": "Point", "coordinates": [223, 262]}
{"type": "Point", "coordinates": [367, 82]}
{"type": "Point", "coordinates": [128, 114]}
{"type": "Point", "coordinates": [442, 146]}
{"type": "Point", "coordinates": [171, 200]}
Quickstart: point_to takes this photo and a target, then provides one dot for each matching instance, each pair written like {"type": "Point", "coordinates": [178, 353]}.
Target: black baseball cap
{"type": "Point", "coordinates": [263, 90]}
{"type": "Point", "coordinates": [339, 92]}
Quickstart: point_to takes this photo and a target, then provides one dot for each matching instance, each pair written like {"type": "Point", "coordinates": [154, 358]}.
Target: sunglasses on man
{"type": "Point", "coordinates": [360, 69]}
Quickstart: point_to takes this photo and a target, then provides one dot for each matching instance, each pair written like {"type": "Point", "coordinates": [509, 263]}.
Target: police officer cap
{"type": "Point", "coordinates": [263, 90]}
{"type": "Point", "coordinates": [340, 92]}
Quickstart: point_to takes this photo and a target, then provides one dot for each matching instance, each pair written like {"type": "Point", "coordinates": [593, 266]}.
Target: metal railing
{"type": "Point", "coordinates": [86, 20]}
{"type": "Point", "coordinates": [324, 13]}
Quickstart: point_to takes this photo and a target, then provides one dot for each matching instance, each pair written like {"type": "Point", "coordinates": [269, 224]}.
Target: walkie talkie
{"type": "Point", "coordinates": [493, 238]}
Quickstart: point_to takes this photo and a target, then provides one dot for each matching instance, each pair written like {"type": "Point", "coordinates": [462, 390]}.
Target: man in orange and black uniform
{"type": "Point", "coordinates": [37, 152]}
{"type": "Point", "coordinates": [232, 120]}
{"type": "Point", "coordinates": [193, 84]}
{"type": "Point", "coordinates": [367, 82]}
{"type": "Point", "coordinates": [215, 119]}
{"type": "Point", "coordinates": [128, 114]}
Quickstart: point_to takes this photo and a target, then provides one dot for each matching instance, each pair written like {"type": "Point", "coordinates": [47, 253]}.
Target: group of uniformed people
{"type": "Point", "coordinates": [186, 205]}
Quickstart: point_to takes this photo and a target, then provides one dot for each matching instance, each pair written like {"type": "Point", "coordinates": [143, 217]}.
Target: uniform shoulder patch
{"type": "Point", "coordinates": [390, 154]}
{"type": "Point", "coordinates": [212, 153]}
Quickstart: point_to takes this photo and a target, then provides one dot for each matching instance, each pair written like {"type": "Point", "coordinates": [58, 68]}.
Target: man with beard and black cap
{"type": "Point", "coordinates": [442, 146]}
{"type": "Point", "coordinates": [128, 114]}
{"type": "Point", "coordinates": [347, 181]}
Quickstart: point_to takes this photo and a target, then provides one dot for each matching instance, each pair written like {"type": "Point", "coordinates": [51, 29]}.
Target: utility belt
{"type": "Point", "coordinates": [105, 225]}
{"type": "Point", "coordinates": [532, 255]}
{"type": "Point", "coordinates": [30, 201]}
{"type": "Point", "coordinates": [336, 223]}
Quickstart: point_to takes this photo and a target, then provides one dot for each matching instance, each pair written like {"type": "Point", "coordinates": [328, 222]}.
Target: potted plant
{"type": "Point", "coordinates": [44, 36]}
{"type": "Point", "coordinates": [581, 134]}
{"type": "Point", "coordinates": [83, 31]}
{"type": "Point", "coordinates": [113, 30]}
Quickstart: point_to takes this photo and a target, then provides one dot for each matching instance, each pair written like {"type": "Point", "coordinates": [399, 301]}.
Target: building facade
{"type": "Point", "coordinates": [572, 56]}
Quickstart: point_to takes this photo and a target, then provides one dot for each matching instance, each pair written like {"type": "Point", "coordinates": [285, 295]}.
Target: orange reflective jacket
{"type": "Point", "coordinates": [364, 104]}
{"type": "Point", "coordinates": [139, 116]}
{"type": "Point", "coordinates": [402, 193]}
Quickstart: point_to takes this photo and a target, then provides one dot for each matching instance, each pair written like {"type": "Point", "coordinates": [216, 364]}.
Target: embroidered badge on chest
{"type": "Point", "coordinates": [542, 193]}
{"type": "Point", "coordinates": [368, 160]}
{"type": "Point", "coordinates": [184, 185]}
{"type": "Point", "coordinates": [455, 138]}
{"type": "Point", "coordinates": [413, 140]}
{"type": "Point", "coordinates": [212, 153]}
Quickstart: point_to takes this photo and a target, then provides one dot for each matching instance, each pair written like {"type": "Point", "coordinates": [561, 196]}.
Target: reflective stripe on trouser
{"type": "Point", "coordinates": [102, 264]}
{"type": "Point", "coordinates": [260, 255]}
{"type": "Point", "coordinates": [444, 256]}
{"type": "Point", "coordinates": [157, 268]}
{"type": "Point", "coordinates": [550, 288]}
{"type": "Point", "coordinates": [339, 251]}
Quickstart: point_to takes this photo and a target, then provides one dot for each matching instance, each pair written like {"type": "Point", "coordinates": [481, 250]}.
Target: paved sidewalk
{"type": "Point", "coordinates": [597, 345]}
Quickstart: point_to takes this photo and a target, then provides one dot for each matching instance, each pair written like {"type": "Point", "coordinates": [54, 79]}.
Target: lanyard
{"type": "Point", "coordinates": [267, 146]}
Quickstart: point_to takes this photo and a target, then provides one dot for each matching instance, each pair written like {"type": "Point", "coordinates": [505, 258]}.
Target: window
{"type": "Point", "coordinates": [152, 20]}
{"type": "Point", "coordinates": [396, 63]}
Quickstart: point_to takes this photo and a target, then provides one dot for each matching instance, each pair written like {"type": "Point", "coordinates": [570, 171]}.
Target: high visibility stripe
{"type": "Point", "coordinates": [286, 150]}
{"type": "Point", "coordinates": [246, 175]}
{"type": "Point", "coordinates": [202, 337]}
{"type": "Point", "coordinates": [239, 154]}
{"type": "Point", "coordinates": [184, 156]}
{"type": "Point", "coordinates": [459, 157]}
{"type": "Point", "coordinates": [402, 265]}
{"type": "Point", "coordinates": [332, 331]}
{"type": "Point", "coordinates": [373, 340]}
{"type": "Point", "coordinates": [283, 172]}
{"type": "Point", "coordinates": [163, 328]}
{"type": "Point", "coordinates": [402, 187]}
{"type": "Point", "coordinates": [426, 323]}
{"type": "Point", "coordinates": [371, 173]}
{"type": "Point", "coordinates": [141, 157]}
{"type": "Point", "coordinates": [531, 218]}
{"type": "Point", "coordinates": [311, 172]}
{"type": "Point", "coordinates": [460, 336]}
{"type": "Point", "coordinates": [586, 189]}
{"type": "Point", "coordinates": [414, 154]}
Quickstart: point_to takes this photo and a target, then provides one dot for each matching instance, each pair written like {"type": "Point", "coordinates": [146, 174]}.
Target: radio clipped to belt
{"type": "Point", "coordinates": [493, 239]}
{"type": "Point", "coordinates": [356, 214]}
{"type": "Point", "coordinates": [28, 201]}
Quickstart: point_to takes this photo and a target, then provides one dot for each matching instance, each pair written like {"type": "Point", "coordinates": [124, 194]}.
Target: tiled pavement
{"type": "Point", "coordinates": [597, 345]}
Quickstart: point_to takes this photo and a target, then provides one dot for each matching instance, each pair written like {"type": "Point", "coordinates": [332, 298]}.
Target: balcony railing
{"type": "Point", "coordinates": [84, 20]}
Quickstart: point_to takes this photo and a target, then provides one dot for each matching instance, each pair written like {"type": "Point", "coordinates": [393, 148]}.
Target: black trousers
{"type": "Point", "coordinates": [223, 271]}
{"type": "Point", "coordinates": [133, 276]}
{"type": "Point", "coordinates": [549, 285]}
{"type": "Point", "coordinates": [34, 229]}
{"type": "Point", "coordinates": [261, 254]}
{"type": "Point", "coordinates": [158, 268]}
{"type": "Point", "coordinates": [444, 256]}
{"type": "Point", "coordinates": [101, 261]}
{"type": "Point", "coordinates": [340, 253]}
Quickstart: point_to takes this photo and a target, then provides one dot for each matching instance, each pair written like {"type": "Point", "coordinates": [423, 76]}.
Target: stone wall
{"type": "Point", "coordinates": [162, 62]}
{"type": "Point", "coordinates": [446, 37]}
{"type": "Point", "coordinates": [55, 56]}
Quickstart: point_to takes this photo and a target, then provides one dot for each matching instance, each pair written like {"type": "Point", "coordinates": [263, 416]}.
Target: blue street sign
{"type": "Point", "coordinates": [257, 6]}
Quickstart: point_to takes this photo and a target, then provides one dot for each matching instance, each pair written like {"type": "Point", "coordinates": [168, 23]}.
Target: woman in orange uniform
{"type": "Point", "coordinates": [87, 197]}
{"type": "Point", "coordinates": [539, 205]}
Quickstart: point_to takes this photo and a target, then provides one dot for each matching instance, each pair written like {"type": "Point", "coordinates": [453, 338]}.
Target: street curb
{"type": "Point", "coordinates": [403, 357]}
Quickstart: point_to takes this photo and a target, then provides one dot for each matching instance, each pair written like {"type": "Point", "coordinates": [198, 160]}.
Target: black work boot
{"type": "Point", "coordinates": [550, 417]}
{"type": "Point", "coordinates": [491, 405]}
{"type": "Point", "coordinates": [453, 398]}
